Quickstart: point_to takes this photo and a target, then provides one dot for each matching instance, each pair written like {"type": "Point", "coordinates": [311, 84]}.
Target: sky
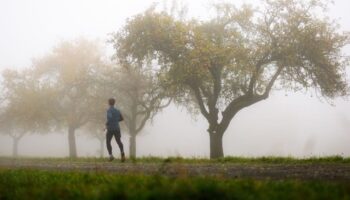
{"type": "Point", "coordinates": [286, 124]}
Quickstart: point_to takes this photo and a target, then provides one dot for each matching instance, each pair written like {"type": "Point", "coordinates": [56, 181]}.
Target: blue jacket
{"type": "Point", "coordinates": [113, 118]}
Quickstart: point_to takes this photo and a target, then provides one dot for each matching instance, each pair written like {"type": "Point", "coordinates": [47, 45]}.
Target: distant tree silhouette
{"type": "Point", "coordinates": [23, 108]}
{"type": "Point", "coordinates": [69, 70]}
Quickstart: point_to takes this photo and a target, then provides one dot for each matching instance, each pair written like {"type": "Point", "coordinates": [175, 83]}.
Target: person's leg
{"type": "Point", "coordinates": [120, 144]}
{"type": "Point", "coordinates": [109, 136]}
{"type": "Point", "coordinates": [118, 140]}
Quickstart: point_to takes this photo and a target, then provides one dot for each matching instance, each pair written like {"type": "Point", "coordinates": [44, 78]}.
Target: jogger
{"type": "Point", "coordinates": [112, 125]}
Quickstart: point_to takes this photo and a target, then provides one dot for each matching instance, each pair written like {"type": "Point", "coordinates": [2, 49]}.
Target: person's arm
{"type": "Point", "coordinates": [121, 117]}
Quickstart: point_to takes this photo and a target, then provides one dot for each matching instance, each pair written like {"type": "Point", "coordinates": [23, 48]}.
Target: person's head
{"type": "Point", "coordinates": [111, 101]}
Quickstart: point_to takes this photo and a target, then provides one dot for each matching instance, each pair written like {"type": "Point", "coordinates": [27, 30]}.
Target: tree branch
{"type": "Point", "coordinates": [200, 102]}
{"type": "Point", "coordinates": [17, 137]}
{"type": "Point", "coordinates": [216, 74]}
{"type": "Point", "coordinates": [235, 106]}
{"type": "Point", "coordinates": [143, 122]}
{"type": "Point", "coordinates": [245, 101]}
{"type": "Point", "coordinates": [126, 117]}
{"type": "Point", "coordinates": [256, 72]}
{"type": "Point", "coordinates": [166, 104]}
{"type": "Point", "coordinates": [272, 81]}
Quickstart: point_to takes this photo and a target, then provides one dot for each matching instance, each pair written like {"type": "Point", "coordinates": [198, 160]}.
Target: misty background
{"type": "Point", "coordinates": [286, 124]}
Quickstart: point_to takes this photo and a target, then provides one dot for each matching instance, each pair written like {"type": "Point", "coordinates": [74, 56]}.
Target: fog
{"type": "Point", "coordinates": [285, 124]}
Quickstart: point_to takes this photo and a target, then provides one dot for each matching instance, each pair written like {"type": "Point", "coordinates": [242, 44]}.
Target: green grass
{"type": "Point", "coordinates": [35, 184]}
{"type": "Point", "coordinates": [240, 160]}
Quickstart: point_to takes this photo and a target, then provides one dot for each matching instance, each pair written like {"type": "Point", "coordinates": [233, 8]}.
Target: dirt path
{"type": "Point", "coordinates": [328, 171]}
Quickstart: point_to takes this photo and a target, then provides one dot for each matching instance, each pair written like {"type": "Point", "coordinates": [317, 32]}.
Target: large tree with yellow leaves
{"type": "Point", "coordinates": [232, 61]}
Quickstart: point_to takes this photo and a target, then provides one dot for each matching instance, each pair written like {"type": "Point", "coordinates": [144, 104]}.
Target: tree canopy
{"type": "Point", "coordinates": [24, 108]}
{"type": "Point", "coordinates": [69, 70]}
{"type": "Point", "coordinates": [233, 60]}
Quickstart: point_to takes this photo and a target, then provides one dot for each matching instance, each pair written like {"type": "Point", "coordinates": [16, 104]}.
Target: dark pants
{"type": "Point", "coordinates": [117, 136]}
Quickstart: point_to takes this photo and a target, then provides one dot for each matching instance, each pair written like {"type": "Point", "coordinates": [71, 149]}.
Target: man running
{"type": "Point", "coordinates": [112, 125]}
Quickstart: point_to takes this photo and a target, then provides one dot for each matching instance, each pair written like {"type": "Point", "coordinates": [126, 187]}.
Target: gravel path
{"type": "Point", "coordinates": [328, 171]}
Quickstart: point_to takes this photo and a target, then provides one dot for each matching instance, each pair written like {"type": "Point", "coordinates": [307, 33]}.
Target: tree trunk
{"type": "Point", "coordinates": [15, 147]}
{"type": "Point", "coordinates": [132, 146]}
{"type": "Point", "coordinates": [216, 150]}
{"type": "Point", "coordinates": [71, 141]}
{"type": "Point", "coordinates": [102, 147]}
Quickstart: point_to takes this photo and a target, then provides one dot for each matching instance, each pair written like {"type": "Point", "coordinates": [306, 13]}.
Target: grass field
{"type": "Point", "coordinates": [39, 180]}
{"type": "Point", "coordinates": [34, 184]}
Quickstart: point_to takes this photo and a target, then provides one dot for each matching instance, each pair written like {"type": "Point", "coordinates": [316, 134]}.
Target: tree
{"type": "Point", "coordinates": [140, 100]}
{"type": "Point", "coordinates": [69, 70]}
{"type": "Point", "coordinates": [138, 95]}
{"type": "Point", "coordinates": [7, 127]}
{"type": "Point", "coordinates": [220, 66]}
{"type": "Point", "coordinates": [99, 94]}
{"type": "Point", "coordinates": [23, 108]}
